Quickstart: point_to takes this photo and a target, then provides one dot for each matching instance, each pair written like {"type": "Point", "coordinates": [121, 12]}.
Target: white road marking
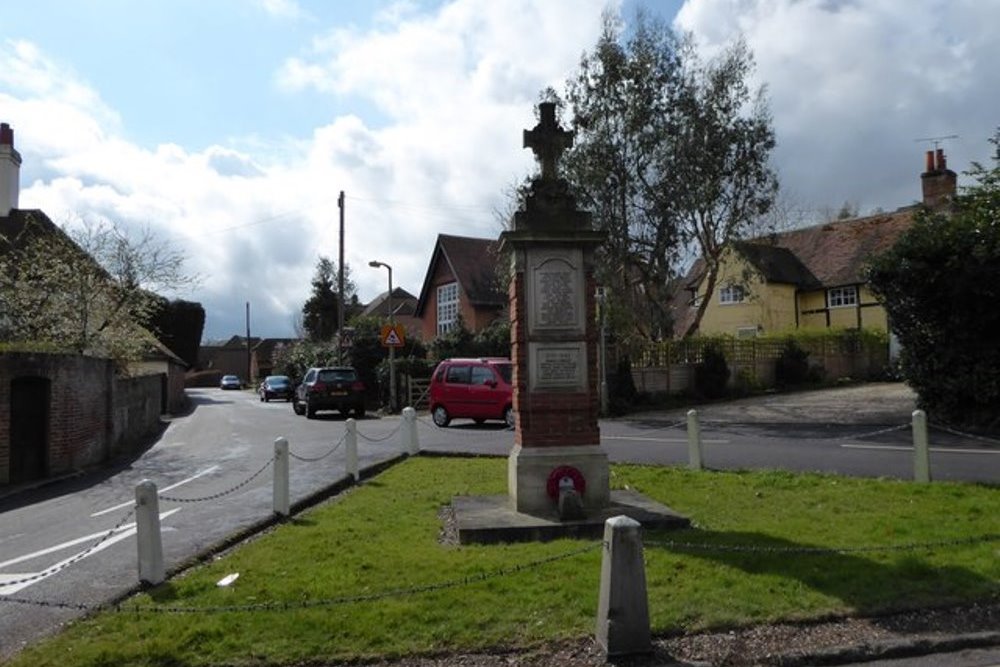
{"type": "Point", "coordinates": [937, 450]}
{"type": "Point", "coordinates": [123, 532]}
{"type": "Point", "coordinates": [673, 440]}
{"type": "Point", "coordinates": [119, 506]}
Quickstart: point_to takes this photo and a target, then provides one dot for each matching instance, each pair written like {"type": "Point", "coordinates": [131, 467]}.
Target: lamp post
{"type": "Point", "coordinates": [392, 348]}
{"type": "Point", "coordinates": [602, 351]}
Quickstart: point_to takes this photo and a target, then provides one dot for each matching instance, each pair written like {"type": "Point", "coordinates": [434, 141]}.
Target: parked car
{"type": "Point", "coordinates": [230, 382]}
{"type": "Point", "coordinates": [330, 388]}
{"type": "Point", "coordinates": [477, 389]}
{"type": "Point", "coordinates": [275, 386]}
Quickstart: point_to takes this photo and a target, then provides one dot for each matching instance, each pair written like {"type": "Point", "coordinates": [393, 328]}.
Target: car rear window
{"type": "Point", "coordinates": [337, 375]}
{"type": "Point", "coordinates": [277, 380]}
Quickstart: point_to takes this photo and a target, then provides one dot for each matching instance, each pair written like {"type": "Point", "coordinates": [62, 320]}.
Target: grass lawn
{"type": "Point", "coordinates": [383, 536]}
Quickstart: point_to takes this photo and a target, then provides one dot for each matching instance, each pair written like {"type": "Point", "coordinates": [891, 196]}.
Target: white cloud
{"type": "Point", "coordinates": [282, 8]}
{"type": "Point", "coordinates": [854, 84]}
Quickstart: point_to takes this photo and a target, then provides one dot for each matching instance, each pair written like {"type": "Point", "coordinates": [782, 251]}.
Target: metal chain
{"type": "Point", "coordinates": [813, 551]}
{"type": "Point", "coordinates": [972, 436]}
{"type": "Point", "coordinates": [326, 602]}
{"type": "Point", "coordinates": [307, 459]}
{"type": "Point", "coordinates": [215, 496]}
{"type": "Point", "coordinates": [382, 439]}
{"type": "Point", "coordinates": [667, 427]}
{"type": "Point", "coordinates": [83, 554]}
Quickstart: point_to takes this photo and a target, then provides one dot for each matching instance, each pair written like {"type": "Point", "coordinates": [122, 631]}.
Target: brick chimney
{"type": "Point", "coordinates": [939, 183]}
{"type": "Point", "coordinates": [10, 171]}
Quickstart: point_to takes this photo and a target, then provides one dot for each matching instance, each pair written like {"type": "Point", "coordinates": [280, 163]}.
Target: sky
{"type": "Point", "coordinates": [229, 128]}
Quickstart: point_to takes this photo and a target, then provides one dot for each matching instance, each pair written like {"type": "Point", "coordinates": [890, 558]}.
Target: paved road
{"type": "Point", "coordinates": [228, 438]}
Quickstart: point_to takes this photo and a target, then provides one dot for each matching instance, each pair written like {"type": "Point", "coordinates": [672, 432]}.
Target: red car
{"type": "Point", "coordinates": [477, 389]}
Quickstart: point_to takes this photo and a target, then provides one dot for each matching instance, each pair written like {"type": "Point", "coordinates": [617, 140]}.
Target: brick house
{"type": "Point", "coordinates": [404, 308]}
{"type": "Point", "coordinates": [461, 284]}
{"type": "Point", "coordinates": [810, 278]}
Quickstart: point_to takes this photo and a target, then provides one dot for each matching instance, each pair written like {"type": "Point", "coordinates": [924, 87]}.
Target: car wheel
{"type": "Point", "coordinates": [440, 416]}
{"type": "Point", "coordinates": [508, 416]}
{"type": "Point", "coordinates": [266, 398]}
{"type": "Point", "coordinates": [297, 407]}
{"type": "Point", "coordinates": [479, 421]}
{"type": "Point", "coordinates": [310, 410]}
{"type": "Point", "coordinates": [359, 411]}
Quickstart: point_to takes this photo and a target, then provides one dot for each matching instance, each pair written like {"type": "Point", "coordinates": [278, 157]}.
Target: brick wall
{"type": "Point", "coordinates": [86, 424]}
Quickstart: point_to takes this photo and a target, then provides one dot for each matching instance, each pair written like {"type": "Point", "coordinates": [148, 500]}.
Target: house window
{"type": "Point", "coordinates": [732, 294]}
{"type": "Point", "coordinates": [841, 296]}
{"type": "Point", "coordinates": [747, 332]}
{"type": "Point", "coordinates": [447, 303]}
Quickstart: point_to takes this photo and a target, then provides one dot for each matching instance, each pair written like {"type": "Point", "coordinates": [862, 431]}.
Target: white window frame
{"type": "Point", "coordinates": [842, 297]}
{"type": "Point", "coordinates": [747, 332]}
{"type": "Point", "coordinates": [731, 294]}
{"type": "Point", "coordinates": [447, 307]}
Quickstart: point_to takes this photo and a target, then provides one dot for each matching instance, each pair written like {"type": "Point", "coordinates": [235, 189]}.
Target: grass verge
{"type": "Point", "coordinates": [383, 536]}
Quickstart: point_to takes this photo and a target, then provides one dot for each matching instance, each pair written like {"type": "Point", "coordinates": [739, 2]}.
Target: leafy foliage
{"type": "Point", "coordinates": [792, 367]}
{"type": "Point", "coordinates": [670, 155]}
{"type": "Point", "coordinates": [178, 325]}
{"type": "Point", "coordinates": [320, 311]}
{"type": "Point", "coordinates": [87, 289]}
{"type": "Point", "coordinates": [711, 375]}
{"type": "Point", "coordinates": [493, 341]}
{"type": "Point", "coordinates": [939, 284]}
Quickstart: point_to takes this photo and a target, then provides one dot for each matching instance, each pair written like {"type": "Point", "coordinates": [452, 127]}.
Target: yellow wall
{"type": "Point", "coordinates": [771, 307]}
{"type": "Point", "coordinates": [767, 307]}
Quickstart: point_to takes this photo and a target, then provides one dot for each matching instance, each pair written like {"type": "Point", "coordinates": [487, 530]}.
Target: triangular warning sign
{"type": "Point", "coordinates": [392, 336]}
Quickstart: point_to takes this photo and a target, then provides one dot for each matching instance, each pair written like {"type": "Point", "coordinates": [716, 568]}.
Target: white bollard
{"type": "Point", "coordinates": [351, 445]}
{"type": "Point", "coordinates": [622, 607]}
{"type": "Point", "coordinates": [408, 430]}
{"type": "Point", "coordinates": [147, 533]}
{"type": "Point", "coordinates": [921, 456]}
{"type": "Point", "coordinates": [281, 502]}
{"type": "Point", "coordinates": [694, 440]}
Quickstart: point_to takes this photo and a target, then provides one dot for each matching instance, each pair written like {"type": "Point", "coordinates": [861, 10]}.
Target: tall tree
{"type": "Point", "coordinates": [319, 313]}
{"type": "Point", "coordinates": [671, 157]}
{"type": "Point", "coordinates": [935, 284]}
{"type": "Point", "coordinates": [89, 289]}
{"type": "Point", "coordinates": [720, 184]}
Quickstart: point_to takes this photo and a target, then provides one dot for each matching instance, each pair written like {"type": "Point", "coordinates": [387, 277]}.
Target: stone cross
{"type": "Point", "coordinates": [547, 140]}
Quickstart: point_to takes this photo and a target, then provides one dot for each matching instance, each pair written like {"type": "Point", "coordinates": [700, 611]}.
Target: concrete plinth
{"type": "Point", "coordinates": [529, 468]}
{"type": "Point", "coordinates": [492, 519]}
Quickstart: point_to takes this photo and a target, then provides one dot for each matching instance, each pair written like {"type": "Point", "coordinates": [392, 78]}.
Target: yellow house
{"type": "Point", "coordinates": [810, 278]}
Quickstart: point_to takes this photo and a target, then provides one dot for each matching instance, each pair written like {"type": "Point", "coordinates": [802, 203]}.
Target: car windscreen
{"type": "Point", "coordinates": [337, 375]}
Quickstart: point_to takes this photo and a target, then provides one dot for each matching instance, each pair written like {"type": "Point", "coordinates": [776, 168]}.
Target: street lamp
{"type": "Point", "coordinates": [392, 348]}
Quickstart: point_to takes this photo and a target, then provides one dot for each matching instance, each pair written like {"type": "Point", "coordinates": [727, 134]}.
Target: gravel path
{"type": "Point", "coordinates": [830, 642]}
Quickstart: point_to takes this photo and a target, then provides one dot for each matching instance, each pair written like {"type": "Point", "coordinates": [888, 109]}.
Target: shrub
{"type": "Point", "coordinates": [936, 284]}
{"type": "Point", "coordinates": [711, 375]}
{"type": "Point", "coordinates": [792, 367]}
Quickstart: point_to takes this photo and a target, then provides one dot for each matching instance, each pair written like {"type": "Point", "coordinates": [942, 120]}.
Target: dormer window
{"type": "Point", "coordinates": [732, 294]}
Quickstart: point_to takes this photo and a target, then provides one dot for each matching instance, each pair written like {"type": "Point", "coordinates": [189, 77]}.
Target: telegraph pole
{"type": "Point", "coordinates": [340, 285]}
{"type": "Point", "coordinates": [249, 379]}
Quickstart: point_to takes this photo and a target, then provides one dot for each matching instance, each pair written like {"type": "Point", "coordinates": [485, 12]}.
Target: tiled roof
{"type": "Point", "coordinates": [473, 262]}
{"type": "Point", "coordinates": [837, 252]}
{"type": "Point", "coordinates": [778, 265]}
{"type": "Point", "coordinates": [403, 303]}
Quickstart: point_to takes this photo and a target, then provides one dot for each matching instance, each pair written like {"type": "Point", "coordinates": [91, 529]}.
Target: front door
{"type": "Point", "coordinates": [29, 428]}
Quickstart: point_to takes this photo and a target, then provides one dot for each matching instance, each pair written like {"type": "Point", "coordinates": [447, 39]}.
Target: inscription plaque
{"type": "Point", "coordinates": [555, 292]}
{"type": "Point", "coordinates": [558, 366]}
{"type": "Point", "coordinates": [556, 303]}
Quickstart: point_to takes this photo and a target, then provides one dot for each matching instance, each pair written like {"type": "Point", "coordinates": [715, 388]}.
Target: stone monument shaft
{"type": "Point", "coordinates": [554, 337]}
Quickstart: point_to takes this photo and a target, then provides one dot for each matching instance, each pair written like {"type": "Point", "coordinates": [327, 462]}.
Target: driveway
{"type": "Point", "coordinates": [876, 403]}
